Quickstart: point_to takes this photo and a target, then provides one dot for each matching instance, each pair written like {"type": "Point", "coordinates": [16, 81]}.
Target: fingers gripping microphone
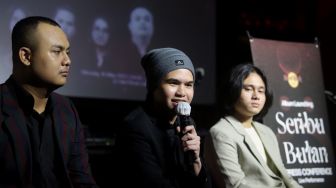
{"type": "Point", "coordinates": [183, 110]}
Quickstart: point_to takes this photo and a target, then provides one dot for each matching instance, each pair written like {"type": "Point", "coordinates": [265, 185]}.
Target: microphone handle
{"type": "Point", "coordinates": [189, 156]}
{"type": "Point", "coordinates": [184, 121]}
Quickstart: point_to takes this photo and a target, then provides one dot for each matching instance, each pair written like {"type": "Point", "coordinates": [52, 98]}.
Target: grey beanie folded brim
{"type": "Point", "coordinates": [159, 62]}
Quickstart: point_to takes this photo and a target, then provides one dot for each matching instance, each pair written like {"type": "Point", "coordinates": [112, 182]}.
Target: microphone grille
{"type": "Point", "coordinates": [183, 108]}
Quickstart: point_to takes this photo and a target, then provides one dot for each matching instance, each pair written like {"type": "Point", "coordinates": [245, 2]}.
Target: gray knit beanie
{"type": "Point", "coordinates": [159, 62]}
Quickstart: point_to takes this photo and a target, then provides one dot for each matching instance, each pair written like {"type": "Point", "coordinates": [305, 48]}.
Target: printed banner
{"type": "Point", "coordinates": [299, 113]}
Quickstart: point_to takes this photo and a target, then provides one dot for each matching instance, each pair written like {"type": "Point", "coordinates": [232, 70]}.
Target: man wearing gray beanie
{"type": "Point", "coordinates": [151, 143]}
{"type": "Point", "coordinates": [158, 62]}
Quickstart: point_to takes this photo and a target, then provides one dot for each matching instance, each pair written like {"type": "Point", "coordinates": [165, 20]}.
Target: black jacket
{"type": "Point", "coordinates": [148, 155]}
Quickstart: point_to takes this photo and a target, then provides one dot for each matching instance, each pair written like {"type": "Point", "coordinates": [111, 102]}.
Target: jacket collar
{"type": "Point", "coordinates": [249, 143]}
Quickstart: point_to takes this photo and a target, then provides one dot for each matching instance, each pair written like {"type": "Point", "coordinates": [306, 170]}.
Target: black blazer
{"type": "Point", "coordinates": [146, 158]}
{"type": "Point", "coordinates": [15, 150]}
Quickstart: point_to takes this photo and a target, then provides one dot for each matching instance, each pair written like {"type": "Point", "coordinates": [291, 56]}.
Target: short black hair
{"type": "Point", "coordinates": [22, 34]}
{"type": "Point", "coordinates": [234, 85]}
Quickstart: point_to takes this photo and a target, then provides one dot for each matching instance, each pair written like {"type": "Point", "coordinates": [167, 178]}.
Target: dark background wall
{"type": "Point", "coordinates": [298, 20]}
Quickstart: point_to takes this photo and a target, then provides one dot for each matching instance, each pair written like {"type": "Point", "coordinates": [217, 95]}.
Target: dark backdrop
{"type": "Point", "coordinates": [299, 20]}
{"type": "Point", "coordinates": [292, 20]}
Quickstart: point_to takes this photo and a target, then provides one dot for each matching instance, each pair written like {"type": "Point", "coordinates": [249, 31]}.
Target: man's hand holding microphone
{"type": "Point", "coordinates": [190, 140]}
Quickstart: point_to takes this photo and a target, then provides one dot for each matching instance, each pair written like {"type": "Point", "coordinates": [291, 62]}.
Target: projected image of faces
{"type": "Point", "coordinates": [100, 37]}
{"type": "Point", "coordinates": [141, 28]}
{"type": "Point", "coordinates": [108, 38]}
{"type": "Point", "coordinates": [100, 34]}
{"type": "Point", "coordinates": [66, 19]}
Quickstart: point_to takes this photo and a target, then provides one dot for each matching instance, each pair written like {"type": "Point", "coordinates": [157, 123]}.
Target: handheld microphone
{"type": "Point", "coordinates": [183, 110]}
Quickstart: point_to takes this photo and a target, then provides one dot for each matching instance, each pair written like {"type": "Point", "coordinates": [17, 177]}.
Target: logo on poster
{"type": "Point", "coordinates": [289, 61]}
{"type": "Point", "coordinates": [293, 80]}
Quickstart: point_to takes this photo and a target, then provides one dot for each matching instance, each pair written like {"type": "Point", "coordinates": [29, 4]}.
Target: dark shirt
{"type": "Point", "coordinates": [151, 155]}
{"type": "Point", "coordinates": [42, 141]}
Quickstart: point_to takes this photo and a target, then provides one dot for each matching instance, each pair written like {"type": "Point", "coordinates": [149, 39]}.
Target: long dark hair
{"type": "Point", "coordinates": [234, 85]}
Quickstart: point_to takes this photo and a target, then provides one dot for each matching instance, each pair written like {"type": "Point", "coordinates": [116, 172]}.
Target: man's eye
{"type": "Point", "coordinates": [173, 83]}
{"type": "Point", "coordinates": [57, 51]}
{"type": "Point", "coordinates": [190, 85]}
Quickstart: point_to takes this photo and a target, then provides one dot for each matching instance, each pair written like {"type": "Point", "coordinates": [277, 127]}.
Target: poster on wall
{"type": "Point", "coordinates": [299, 113]}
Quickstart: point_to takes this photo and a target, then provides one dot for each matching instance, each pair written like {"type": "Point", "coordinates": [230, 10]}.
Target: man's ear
{"type": "Point", "coordinates": [25, 55]}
